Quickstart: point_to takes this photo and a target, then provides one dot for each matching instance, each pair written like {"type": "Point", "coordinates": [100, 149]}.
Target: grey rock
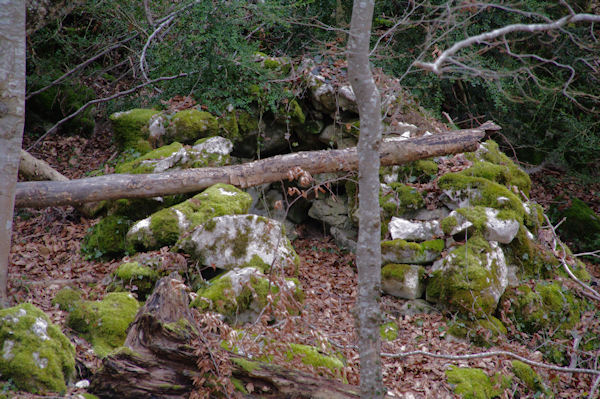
{"type": "Point", "coordinates": [414, 231]}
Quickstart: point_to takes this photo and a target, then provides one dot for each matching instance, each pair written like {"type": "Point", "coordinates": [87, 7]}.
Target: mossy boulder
{"type": "Point", "coordinates": [403, 281]}
{"type": "Point", "coordinates": [36, 356]}
{"type": "Point", "coordinates": [290, 114]}
{"type": "Point", "coordinates": [401, 251]}
{"type": "Point", "coordinates": [231, 241]}
{"type": "Point", "coordinates": [134, 275]}
{"type": "Point", "coordinates": [106, 239]}
{"type": "Point", "coordinates": [472, 383]}
{"type": "Point", "coordinates": [189, 125]}
{"type": "Point", "coordinates": [241, 294]}
{"type": "Point", "coordinates": [470, 279]}
{"type": "Point", "coordinates": [166, 226]}
{"type": "Point", "coordinates": [494, 225]}
{"type": "Point", "coordinates": [396, 199]}
{"type": "Point", "coordinates": [228, 126]}
{"type": "Point", "coordinates": [131, 129]}
{"type": "Point", "coordinates": [104, 323]}
{"type": "Point", "coordinates": [67, 298]}
{"type": "Point", "coordinates": [421, 171]}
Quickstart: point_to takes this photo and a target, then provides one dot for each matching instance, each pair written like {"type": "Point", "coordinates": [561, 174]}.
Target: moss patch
{"type": "Point", "coordinates": [133, 273]}
{"type": "Point", "coordinates": [481, 332]}
{"type": "Point", "coordinates": [530, 378]}
{"type": "Point", "coordinates": [312, 356]}
{"type": "Point", "coordinates": [401, 251]}
{"type": "Point", "coordinates": [36, 356]}
{"type": "Point", "coordinates": [139, 166]}
{"type": "Point", "coordinates": [388, 331]}
{"type": "Point", "coordinates": [104, 323]}
{"type": "Point", "coordinates": [66, 299]}
{"type": "Point", "coordinates": [471, 383]}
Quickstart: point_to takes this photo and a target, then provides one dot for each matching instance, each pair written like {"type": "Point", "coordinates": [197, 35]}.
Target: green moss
{"type": "Point", "coordinates": [104, 323]}
{"type": "Point", "coordinates": [107, 238]}
{"type": "Point", "coordinates": [448, 224]}
{"type": "Point", "coordinates": [89, 396]}
{"type": "Point", "coordinates": [238, 385]}
{"type": "Point", "coordinates": [581, 225]}
{"type": "Point", "coordinates": [189, 125]}
{"type": "Point", "coordinates": [138, 166]}
{"type": "Point", "coordinates": [388, 331]}
{"type": "Point", "coordinates": [530, 378]}
{"type": "Point", "coordinates": [484, 192]}
{"type": "Point", "coordinates": [311, 356]}
{"type": "Point", "coordinates": [471, 383]}
{"type": "Point", "coordinates": [492, 164]}
{"type": "Point", "coordinates": [36, 355]}
{"type": "Point", "coordinates": [402, 199]}
{"type": "Point", "coordinates": [398, 271]}
{"type": "Point", "coordinates": [257, 263]}
{"type": "Point", "coordinates": [465, 284]}
{"type": "Point", "coordinates": [481, 332]}
{"type": "Point", "coordinates": [402, 251]}
{"type": "Point", "coordinates": [131, 128]}
{"type": "Point", "coordinates": [248, 365]}
{"type": "Point", "coordinates": [247, 123]}
{"type": "Point", "coordinates": [66, 298]}
{"type": "Point", "coordinates": [133, 273]}
{"type": "Point", "coordinates": [291, 113]}
{"type": "Point", "coordinates": [420, 171]}
{"type": "Point", "coordinates": [165, 227]}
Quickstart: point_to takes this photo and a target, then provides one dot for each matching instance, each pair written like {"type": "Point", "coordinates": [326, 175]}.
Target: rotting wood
{"type": "Point", "coordinates": [268, 170]}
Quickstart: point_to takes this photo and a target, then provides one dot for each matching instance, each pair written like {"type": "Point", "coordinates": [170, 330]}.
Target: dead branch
{"type": "Point", "coordinates": [42, 194]}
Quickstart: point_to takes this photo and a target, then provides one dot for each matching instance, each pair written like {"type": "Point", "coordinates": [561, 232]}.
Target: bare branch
{"type": "Point", "coordinates": [82, 65]}
{"type": "Point", "coordinates": [143, 66]}
{"type": "Point", "coordinates": [101, 100]}
{"type": "Point", "coordinates": [446, 56]}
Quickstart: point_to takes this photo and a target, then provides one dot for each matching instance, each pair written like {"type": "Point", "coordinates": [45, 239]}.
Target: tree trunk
{"type": "Point", "coordinates": [368, 246]}
{"type": "Point", "coordinates": [42, 194]}
{"type": "Point", "coordinates": [12, 114]}
{"type": "Point", "coordinates": [160, 362]}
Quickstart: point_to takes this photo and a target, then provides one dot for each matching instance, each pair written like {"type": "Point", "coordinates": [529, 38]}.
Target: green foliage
{"type": "Point", "coordinates": [107, 238]}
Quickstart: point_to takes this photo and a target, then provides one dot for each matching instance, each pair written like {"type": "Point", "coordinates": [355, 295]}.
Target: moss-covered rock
{"type": "Point", "coordinates": [491, 163]}
{"type": "Point", "coordinates": [107, 238]}
{"type": "Point", "coordinates": [472, 383]}
{"type": "Point", "coordinates": [191, 124]}
{"type": "Point", "coordinates": [291, 114]}
{"type": "Point", "coordinates": [134, 274]}
{"type": "Point", "coordinates": [104, 323]}
{"type": "Point", "coordinates": [131, 129]}
{"type": "Point", "coordinates": [400, 251]}
{"type": "Point", "coordinates": [420, 171]}
{"type": "Point", "coordinates": [166, 226]}
{"type": "Point", "coordinates": [494, 225]}
{"type": "Point", "coordinates": [461, 190]}
{"type": "Point", "coordinates": [147, 162]}
{"type": "Point", "coordinates": [234, 241]}
{"type": "Point", "coordinates": [403, 281]}
{"type": "Point", "coordinates": [36, 356]}
{"type": "Point", "coordinates": [470, 279]}
{"type": "Point", "coordinates": [241, 294]}
{"type": "Point", "coordinates": [398, 198]}
{"type": "Point", "coordinates": [228, 126]}
{"type": "Point", "coordinates": [66, 299]}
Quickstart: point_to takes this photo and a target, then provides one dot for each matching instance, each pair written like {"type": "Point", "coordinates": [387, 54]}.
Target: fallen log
{"type": "Point", "coordinates": [159, 360]}
{"type": "Point", "coordinates": [116, 186]}
{"type": "Point", "coordinates": [32, 168]}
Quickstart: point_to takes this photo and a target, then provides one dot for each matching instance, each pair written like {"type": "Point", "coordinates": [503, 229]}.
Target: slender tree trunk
{"type": "Point", "coordinates": [368, 250]}
{"type": "Point", "coordinates": [12, 109]}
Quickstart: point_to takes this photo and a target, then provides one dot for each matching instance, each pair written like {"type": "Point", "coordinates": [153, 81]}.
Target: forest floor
{"type": "Point", "coordinates": [45, 257]}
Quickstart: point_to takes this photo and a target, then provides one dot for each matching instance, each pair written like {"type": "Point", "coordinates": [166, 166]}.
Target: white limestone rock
{"type": "Point", "coordinates": [414, 231]}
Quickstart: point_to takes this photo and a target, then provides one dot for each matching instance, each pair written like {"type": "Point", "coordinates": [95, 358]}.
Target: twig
{"type": "Point", "coordinates": [101, 100]}
{"type": "Point", "coordinates": [148, 14]}
{"type": "Point", "coordinates": [493, 354]}
{"type": "Point", "coordinates": [593, 253]}
{"type": "Point", "coordinates": [82, 65]}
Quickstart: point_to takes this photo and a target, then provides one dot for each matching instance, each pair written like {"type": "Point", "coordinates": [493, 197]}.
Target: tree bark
{"type": "Point", "coordinates": [368, 246]}
{"type": "Point", "coordinates": [42, 194]}
{"type": "Point", "coordinates": [160, 362]}
{"type": "Point", "coordinates": [12, 114]}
